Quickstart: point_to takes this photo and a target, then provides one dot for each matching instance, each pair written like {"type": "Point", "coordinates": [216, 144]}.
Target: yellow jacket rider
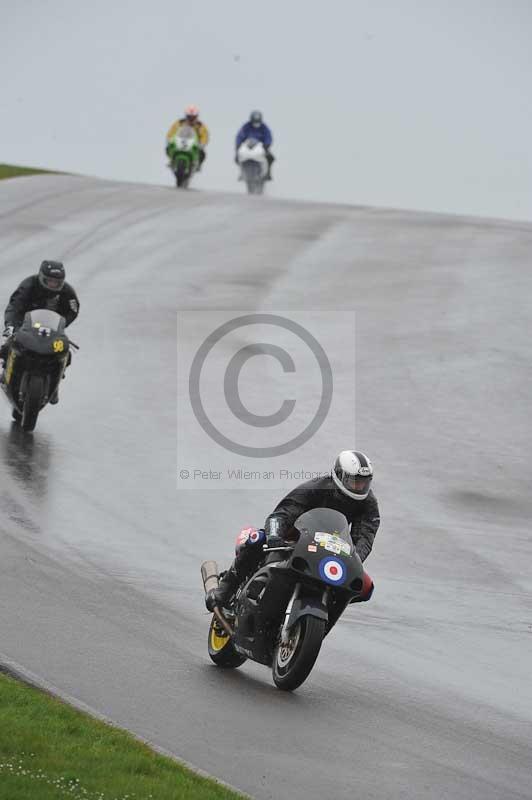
{"type": "Point", "coordinates": [191, 118]}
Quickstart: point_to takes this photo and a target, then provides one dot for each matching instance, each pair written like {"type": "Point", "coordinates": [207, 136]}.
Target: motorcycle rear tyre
{"type": "Point", "coordinates": [221, 649]}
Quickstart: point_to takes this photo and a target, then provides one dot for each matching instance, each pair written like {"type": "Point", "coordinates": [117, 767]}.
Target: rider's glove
{"type": "Point", "coordinates": [272, 540]}
{"type": "Point", "coordinates": [8, 331]}
{"type": "Point", "coordinates": [211, 600]}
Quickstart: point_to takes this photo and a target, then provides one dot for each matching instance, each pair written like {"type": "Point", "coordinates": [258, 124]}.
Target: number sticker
{"type": "Point", "coordinates": [58, 346]}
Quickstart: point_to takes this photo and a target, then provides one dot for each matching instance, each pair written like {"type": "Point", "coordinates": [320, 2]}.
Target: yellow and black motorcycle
{"type": "Point", "coordinates": [38, 354]}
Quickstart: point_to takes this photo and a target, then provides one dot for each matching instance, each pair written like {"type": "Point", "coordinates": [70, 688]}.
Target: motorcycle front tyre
{"type": "Point", "coordinates": [293, 662]}
{"type": "Point", "coordinates": [182, 174]}
{"type": "Point", "coordinates": [32, 402]}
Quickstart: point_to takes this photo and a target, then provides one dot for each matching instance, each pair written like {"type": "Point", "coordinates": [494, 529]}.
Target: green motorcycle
{"type": "Point", "coordinates": [183, 152]}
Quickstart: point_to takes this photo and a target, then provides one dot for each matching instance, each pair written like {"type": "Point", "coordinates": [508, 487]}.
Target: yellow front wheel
{"type": "Point", "coordinates": [221, 648]}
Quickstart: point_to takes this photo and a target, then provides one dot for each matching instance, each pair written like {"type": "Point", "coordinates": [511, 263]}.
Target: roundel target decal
{"type": "Point", "coordinates": [243, 536]}
{"type": "Point", "coordinates": [332, 570]}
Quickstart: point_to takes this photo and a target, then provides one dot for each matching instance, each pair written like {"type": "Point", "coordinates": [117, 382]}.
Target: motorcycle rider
{"type": "Point", "coordinates": [48, 289]}
{"type": "Point", "coordinates": [347, 490]}
{"type": "Point", "coordinates": [255, 128]}
{"type": "Point", "coordinates": [191, 117]}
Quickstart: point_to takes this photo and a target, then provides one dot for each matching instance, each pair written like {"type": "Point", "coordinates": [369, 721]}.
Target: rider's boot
{"type": "Point", "coordinates": [227, 586]}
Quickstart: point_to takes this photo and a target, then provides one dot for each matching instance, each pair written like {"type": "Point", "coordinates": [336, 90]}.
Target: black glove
{"type": "Point", "coordinates": [272, 540]}
{"type": "Point", "coordinates": [236, 159]}
{"type": "Point", "coordinates": [9, 330]}
{"type": "Point", "coordinates": [211, 600]}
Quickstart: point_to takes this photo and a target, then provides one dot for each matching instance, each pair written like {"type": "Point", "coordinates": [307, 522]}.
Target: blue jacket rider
{"type": "Point", "coordinates": [256, 128]}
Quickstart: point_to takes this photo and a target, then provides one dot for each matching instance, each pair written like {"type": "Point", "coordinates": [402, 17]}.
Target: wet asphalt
{"type": "Point", "coordinates": [424, 692]}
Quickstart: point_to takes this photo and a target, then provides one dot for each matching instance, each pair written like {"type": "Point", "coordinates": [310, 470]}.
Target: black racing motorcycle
{"type": "Point", "coordinates": [280, 614]}
{"type": "Point", "coordinates": [38, 354]}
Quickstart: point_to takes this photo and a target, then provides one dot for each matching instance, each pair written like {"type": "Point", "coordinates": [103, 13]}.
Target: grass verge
{"type": "Point", "coordinates": [10, 171]}
{"type": "Point", "coordinates": [49, 750]}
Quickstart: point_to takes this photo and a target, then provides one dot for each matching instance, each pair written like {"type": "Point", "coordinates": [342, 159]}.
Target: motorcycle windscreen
{"type": "Point", "coordinates": [323, 520]}
{"type": "Point", "coordinates": [44, 318]}
{"type": "Point", "coordinates": [187, 133]}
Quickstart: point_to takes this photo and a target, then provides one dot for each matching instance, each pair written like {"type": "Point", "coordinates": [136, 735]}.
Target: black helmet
{"type": "Point", "coordinates": [52, 276]}
{"type": "Point", "coordinates": [353, 473]}
{"type": "Point", "coordinates": [256, 118]}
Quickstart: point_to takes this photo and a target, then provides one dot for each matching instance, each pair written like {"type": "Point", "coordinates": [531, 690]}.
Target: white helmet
{"type": "Point", "coordinates": [353, 473]}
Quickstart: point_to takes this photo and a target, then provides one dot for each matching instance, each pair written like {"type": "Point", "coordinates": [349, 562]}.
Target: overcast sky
{"type": "Point", "coordinates": [409, 104]}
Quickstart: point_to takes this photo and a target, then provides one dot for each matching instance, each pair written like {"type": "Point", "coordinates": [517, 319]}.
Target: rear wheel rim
{"type": "Point", "coordinates": [218, 638]}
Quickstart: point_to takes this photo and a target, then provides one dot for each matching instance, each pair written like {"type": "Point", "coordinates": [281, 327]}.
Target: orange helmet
{"type": "Point", "coordinates": [192, 112]}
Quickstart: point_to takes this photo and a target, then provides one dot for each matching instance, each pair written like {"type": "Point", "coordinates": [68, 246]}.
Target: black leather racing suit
{"type": "Point", "coordinates": [30, 295]}
{"type": "Point", "coordinates": [323, 493]}
{"type": "Point", "coordinates": [317, 493]}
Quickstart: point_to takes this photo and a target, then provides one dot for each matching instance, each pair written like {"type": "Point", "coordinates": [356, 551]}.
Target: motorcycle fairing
{"type": "Point", "coordinates": [259, 608]}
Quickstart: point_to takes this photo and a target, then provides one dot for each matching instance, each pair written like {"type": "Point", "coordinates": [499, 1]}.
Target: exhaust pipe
{"type": "Point", "coordinates": [209, 574]}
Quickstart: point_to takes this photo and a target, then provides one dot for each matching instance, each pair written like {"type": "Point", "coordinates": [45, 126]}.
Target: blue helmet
{"type": "Point", "coordinates": [256, 118]}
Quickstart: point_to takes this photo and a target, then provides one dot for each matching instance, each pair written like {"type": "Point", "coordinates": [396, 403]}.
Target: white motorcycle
{"type": "Point", "coordinates": [252, 160]}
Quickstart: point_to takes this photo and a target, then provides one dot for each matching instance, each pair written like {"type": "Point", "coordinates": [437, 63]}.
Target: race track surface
{"type": "Point", "coordinates": [424, 692]}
